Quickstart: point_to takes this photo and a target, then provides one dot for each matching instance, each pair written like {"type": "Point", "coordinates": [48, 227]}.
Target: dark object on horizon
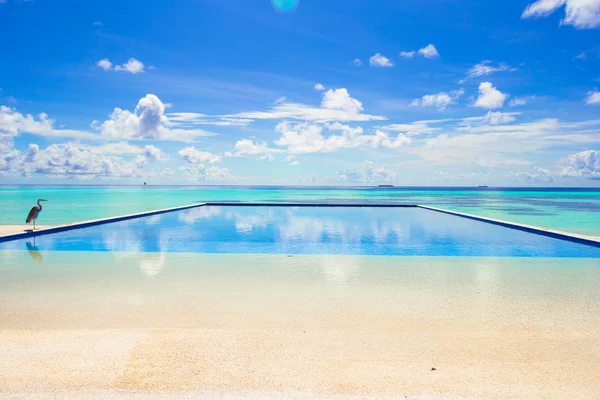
{"type": "Point", "coordinates": [144, 183]}
{"type": "Point", "coordinates": [386, 186]}
{"type": "Point", "coordinates": [34, 213]}
{"type": "Point", "coordinates": [482, 187]}
{"type": "Point", "coordinates": [433, 369]}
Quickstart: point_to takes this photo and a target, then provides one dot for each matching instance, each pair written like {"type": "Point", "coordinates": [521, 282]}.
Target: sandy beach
{"type": "Point", "coordinates": [91, 325]}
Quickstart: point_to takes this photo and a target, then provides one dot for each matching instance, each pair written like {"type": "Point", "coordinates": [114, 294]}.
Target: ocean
{"type": "Point", "coordinates": [574, 210]}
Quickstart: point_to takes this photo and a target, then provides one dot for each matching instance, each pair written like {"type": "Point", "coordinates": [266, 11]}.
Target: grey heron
{"type": "Point", "coordinates": [34, 213]}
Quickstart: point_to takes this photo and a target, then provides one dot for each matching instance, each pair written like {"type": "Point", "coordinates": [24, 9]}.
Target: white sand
{"type": "Point", "coordinates": [89, 325]}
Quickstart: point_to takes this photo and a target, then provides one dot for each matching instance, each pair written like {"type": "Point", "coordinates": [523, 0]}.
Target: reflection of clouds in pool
{"type": "Point", "coordinates": [310, 228]}
{"type": "Point", "coordinates": [340, 270]}
{"type": "Point", "coordinates": [314, 228]}
{"type": "Point", "coordinates": [192, 215]}
{"type": "Point", "coordinates": [152, 220]}
{"type": "Point", "coordinates": [151, 263]}
{"type": "Point", "coordinates": [123, 239]}
{"type": "Point", "coordinates": [246, 223]}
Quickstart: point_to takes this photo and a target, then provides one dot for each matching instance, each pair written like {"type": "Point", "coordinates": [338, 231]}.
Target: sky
{"type": "Point", "coordinates": [301, 92]}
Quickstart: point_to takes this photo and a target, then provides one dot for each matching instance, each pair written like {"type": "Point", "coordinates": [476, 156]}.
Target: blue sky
{"type": "Point", "coordinates": [428, 92]}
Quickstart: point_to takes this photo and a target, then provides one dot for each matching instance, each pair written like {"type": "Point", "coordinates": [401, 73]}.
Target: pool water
{"type": "Point", "coordinates": [307, 230]}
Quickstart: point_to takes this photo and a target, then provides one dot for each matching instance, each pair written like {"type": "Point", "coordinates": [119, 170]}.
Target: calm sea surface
{"type": "Point", "coordinates": [574, 210]}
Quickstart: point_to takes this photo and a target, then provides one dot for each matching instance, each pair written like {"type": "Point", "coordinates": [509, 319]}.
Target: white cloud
{"type": "Point", "coordinates": [294, 163]}
{"type": "Point", "coordinates": [97, 23]}
{"type": "Point", "coordinates": [497, 118]}
{"type": "Point", "coordinates": [518, 101]}
{"type": "Point", "coordinates": [196, 172]}
{"type": "Point", "coordinates": [319, 87]}
{"type": "Point", "coordinates": [537, 175]}
{"type": "Point", "coordinates": [407, 54]}
{"type": "Point", "coordinates": [190, 118]}
{"type": "Point", "coordinates": [593, 98]}
{"type": "Point", "coordinates": [489, 96]}
{"type": "Point", "coordinates": [192, 155]}
{"type": "Point", "coordinates": [439, 100]}
{"type": "Point", "coordinates": [340, 99]}
{"type": "Point", "coordinates": [337, 105]}
{"type": "Point", "coordinates": [132, 65]}
{"type": "Point", "coordinates": [582, 14]}
{"type": "Point", "coordinates": [367, 174]}
{"type": "Point", "coordinates": [13, 123]}
{"type": "Point", "coordinates": [78, 161]}
{"type": "Point", "coordinates": [429, 51]}
{"type": "Point", "coordinates": [310, 138]}
{"type": "Point", "coordinates": [147, 121]}
{"type": "Point", "coordinates": [105, 64]}
{"type": "Point", "coordinates": [585, 164]}
{"type": "Point", "coordinates": [379, 60]}
{"type": "Point", "coordinates": [249, 147]}
{"type": "Point", "coordinates": [485, 68]}
{"type": "Point", "coordinates": [357, 62]}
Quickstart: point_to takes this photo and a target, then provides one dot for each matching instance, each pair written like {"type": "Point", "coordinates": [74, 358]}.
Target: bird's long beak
{"type": "Point", "coordinates": [43, 200]}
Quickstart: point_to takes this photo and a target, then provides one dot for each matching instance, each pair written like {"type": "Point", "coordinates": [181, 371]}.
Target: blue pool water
{"type": "Point", "coordinates": [308, 230]}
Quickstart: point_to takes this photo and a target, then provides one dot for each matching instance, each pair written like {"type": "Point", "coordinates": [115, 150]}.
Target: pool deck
{"type": "Point", "coordinates": [14, 232]}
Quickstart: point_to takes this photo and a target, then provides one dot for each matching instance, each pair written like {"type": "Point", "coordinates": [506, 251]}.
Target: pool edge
{"type": "Point", "coordinates": [93, 222]}
{"type": "Point", "coordinates": [553, 233]}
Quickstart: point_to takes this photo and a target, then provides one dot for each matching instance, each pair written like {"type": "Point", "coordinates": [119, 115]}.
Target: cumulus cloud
{"type": "Point", "coordinates": [147, 121]}
{"type": "Point", "coordinates": [105, 64]}
{"type": "Point", "coordinates": [132, 66]}
{"type": "Point", "coordinates": [369, 173]}
{"type": "Point", "coordinates": [585, 164]}
{"type": "Point", "coordinates": [379, 60]}
{"type": "Point", "coordinates": [593, 98]}
{"type": "Point", "coordinates": [192, 155]}
{"type": "Point", "coordinates": [535, 175]}
{"type": "Point", "coordinates": [319, 87]}
{"type": "Point", "coordinates": [357, 62]}
{"type": "Point", "coordinates": [582, 14]}
{"type": "Point", "coordinates": [310, 138]}
{"type": "Point", "coordinates": [489, 96]}
{"type": "Point", "coordinates": [440, 100]}
{"type": "Point", "coordinates": [336, 105]}
{"type": "Point", "coordinates": [260, 148]}
{"type": "Point", "coordinates": [77, 161]}
{"type": "Point", "coordinates": [429, 51]}
{"type": "Point", "coordinates": [407, 54]}
{"type": "Point", "coordinates": [340, 99]}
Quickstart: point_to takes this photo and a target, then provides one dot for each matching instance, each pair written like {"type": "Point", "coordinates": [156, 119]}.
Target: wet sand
{"type": "Point", "coordinates": [131, 326]}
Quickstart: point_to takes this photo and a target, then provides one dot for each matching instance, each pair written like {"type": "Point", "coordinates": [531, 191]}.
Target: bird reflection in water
{"type": "Point", "coordinates": [34, 252]}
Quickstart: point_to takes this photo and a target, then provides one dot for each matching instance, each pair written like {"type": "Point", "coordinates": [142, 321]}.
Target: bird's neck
{"type": "Point", "coordinates": [39, 205]}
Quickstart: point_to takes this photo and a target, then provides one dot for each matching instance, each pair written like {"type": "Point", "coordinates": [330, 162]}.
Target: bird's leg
{"type": "Point", "coordinates": [34, 224]}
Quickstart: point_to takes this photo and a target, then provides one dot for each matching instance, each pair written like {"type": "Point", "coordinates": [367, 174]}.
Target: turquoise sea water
{"type": "Point", "coordinates": [574, 210]}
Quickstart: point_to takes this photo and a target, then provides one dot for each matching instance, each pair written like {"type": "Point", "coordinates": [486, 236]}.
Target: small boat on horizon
{"type": "Point", "coordinates": [385, 186]}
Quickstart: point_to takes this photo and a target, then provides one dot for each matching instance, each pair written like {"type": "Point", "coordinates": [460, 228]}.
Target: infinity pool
{"type": "Point", "coordinates": [308, 230]}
